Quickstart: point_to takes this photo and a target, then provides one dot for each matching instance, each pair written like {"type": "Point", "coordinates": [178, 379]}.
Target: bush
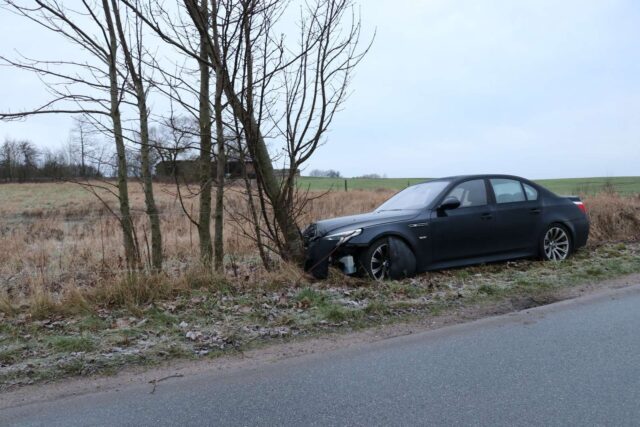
{"type": "Point", "coordinates": [613, 218]}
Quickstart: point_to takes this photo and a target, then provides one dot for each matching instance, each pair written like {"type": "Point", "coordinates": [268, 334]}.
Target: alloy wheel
{"type": "Point", "coordinates": [379, 264]}
{"type": "Point", "coordinates": [556, 244]}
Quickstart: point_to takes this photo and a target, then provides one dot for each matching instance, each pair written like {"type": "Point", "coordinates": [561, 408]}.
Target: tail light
{"type": "Point", "coordinates": [581, 206]}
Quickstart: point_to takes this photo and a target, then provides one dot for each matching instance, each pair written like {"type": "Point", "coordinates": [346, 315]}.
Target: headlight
{"type": "Point", "coordinates": [344, 234]}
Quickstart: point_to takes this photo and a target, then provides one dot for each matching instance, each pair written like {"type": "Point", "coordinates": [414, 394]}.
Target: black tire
{"type": "Point", "coordinates": [555, 243]}
{"type": "Point", "coordinates": [388, 258]}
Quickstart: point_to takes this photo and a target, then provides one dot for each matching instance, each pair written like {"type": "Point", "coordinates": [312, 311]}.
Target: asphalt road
{"type": "Point", "coordinates": [573, 363]}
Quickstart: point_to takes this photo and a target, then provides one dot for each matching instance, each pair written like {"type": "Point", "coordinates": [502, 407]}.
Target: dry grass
{"type": "Point", "coordinates": [60, 250]}
{"type": "Point", "coordinates": [613, 218]}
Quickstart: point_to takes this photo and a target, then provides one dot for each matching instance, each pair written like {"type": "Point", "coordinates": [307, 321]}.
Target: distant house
{"type": "Point", "coordinates": [188, 170]}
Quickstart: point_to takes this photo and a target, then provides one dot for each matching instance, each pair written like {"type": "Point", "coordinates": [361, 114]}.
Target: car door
{"type": "Point", "coordinates": [464, 232]}
{"type": "Point", "coordinates": [518, 212]}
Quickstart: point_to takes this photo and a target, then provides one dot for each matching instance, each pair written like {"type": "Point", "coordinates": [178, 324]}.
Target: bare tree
{"type": "Point", "coordinates": [238, 149]}
{"type": "Point", "coordinates": [29, 159]}
{"type": "Point", "coordinates": [81, 144]}
{"type": "Point", "coordinates": [189, 93]}
{"type": "Point", "coordinates": [9, 160]}
{"type": "Point", "coordinates": [78, 87]}
{"type": "Point", "coordinates": [204, 116]}
{"type": "Point", "coordinates": [253, 63]}
{"type": "Point", "coordinates": [221, 159]}
{"type": "Point", "coordinates": [133, 61]}
{"type": "Point", "coordinates": [131, 250]}
{"type": "Point", "coordinates": [314, 79]}
{"type": "Point", "coordinates": [18, 160]}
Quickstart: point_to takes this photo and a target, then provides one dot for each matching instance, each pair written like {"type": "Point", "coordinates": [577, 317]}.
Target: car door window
{"type": "Point", "coordinates": [470, 193]}
{"type": "Point", "coordinates": [532, 193]}
{"type": "Point", "coordinates": [507, 190]}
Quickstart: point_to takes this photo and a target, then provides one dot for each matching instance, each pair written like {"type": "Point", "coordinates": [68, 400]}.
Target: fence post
{"type": "Point", "coordinates": [345, 185]}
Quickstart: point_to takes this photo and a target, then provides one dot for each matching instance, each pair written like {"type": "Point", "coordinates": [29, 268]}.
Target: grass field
{"type": "Point", "coordinates": [622, 185]}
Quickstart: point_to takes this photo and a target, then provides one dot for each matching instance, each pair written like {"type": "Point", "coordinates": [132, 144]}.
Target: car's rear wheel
{"type": "Point", "coordinates": [556, 243]}
{"type": "Point", "coordinates": [388, 258]}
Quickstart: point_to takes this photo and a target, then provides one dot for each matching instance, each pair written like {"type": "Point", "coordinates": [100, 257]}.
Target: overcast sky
{"type": "Point", "coordinates": [536, 88]}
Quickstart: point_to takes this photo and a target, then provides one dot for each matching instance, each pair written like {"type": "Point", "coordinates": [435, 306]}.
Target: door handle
{"type": "Point", "coordinates": [534, 211]}
{"type": "Point", "coordinates": [486, 216]}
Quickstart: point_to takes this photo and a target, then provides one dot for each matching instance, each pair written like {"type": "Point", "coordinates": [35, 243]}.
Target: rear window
{"type": "Point", "coordinates": [507, 190]}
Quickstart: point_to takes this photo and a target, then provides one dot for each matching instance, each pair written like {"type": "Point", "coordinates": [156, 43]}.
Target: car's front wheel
{"type": "Point", "coordinates": [388, 258]}
{"type": "Point", "coordinates": [556, 243]}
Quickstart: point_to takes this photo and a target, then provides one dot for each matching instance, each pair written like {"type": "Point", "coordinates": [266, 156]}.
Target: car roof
{"type": "Point", "coordinates": [478, 176]}
{"type": "Point", "coordinates": [489, 175]}
{"type": "Point", "coordinates": [455, 179]}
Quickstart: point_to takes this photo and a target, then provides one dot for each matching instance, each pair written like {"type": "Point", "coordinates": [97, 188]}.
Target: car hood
{"type": "Point", "coordinates": [362, 220]}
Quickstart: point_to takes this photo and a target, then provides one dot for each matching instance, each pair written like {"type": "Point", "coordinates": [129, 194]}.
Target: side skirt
{"type": "Point", "coordinates": [480, 260]}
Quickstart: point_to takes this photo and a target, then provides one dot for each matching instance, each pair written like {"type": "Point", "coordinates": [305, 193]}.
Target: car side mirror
{"type": "Point", "coordinates": [450, 203]}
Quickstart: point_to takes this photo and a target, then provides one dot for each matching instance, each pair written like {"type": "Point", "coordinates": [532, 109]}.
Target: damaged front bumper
{"type": "Point", "coordinates": [323, 250]}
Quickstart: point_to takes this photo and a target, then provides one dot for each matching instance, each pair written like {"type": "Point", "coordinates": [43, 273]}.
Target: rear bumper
{"type": "Point", "coordinates": [580, 232]}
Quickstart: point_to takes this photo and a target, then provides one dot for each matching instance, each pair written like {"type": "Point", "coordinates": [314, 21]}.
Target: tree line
{"type": "Point", "coordinates": [23, 161]}
{"type": "Point", "coordinates": [214, 76]}
{"type": "Point", "coordinates": [84, 156]}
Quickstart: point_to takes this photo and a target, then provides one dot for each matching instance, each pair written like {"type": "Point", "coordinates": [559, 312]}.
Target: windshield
{"type": "Point", "coordinates": [414, 197]}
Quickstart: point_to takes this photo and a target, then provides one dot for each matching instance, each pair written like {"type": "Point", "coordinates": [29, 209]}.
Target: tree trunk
{"type": "Point", "coordinates": [132, 254]}
{"type": "Point", "coordinates": [220, 172]}
{"type": "Point", "coordinates": [147, 179]}
{"type": "Point", "coordinates": [293, 246]}
{"type": "Point", "coordinates": [204, 220]}
{"type": "Point", "coordinates": [254, 213]}
{"type": "Point", "coordinates": [152, 209]}
{"type": "Point", "coordinates": [83, 169]}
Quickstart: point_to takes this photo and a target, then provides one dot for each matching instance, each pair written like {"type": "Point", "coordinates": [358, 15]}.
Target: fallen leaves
{"type": "Point", "coordinates": [122, 323]}
{"type": "Point", "coordinates": [303, 303]}
{"type": "Point", "coordinates": [194, 335]}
